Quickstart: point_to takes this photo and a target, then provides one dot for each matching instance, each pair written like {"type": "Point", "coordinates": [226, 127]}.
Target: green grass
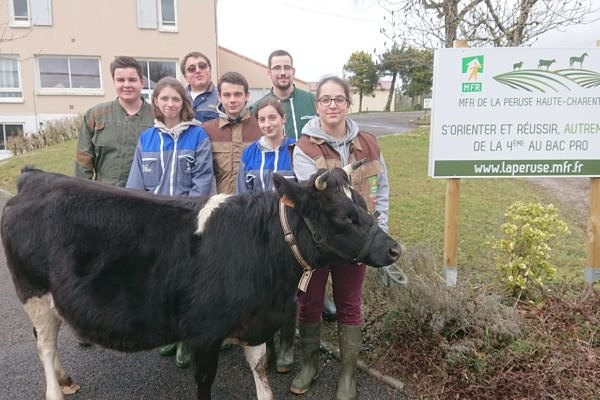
{"type": "Point", "coordinates": [57, 158]}
{"type": "Point", "coordinates": [417, 204]}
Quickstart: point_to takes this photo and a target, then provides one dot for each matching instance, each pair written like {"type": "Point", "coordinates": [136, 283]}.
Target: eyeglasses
{"type": "Point", "coordinates": [325, 101]}
{"type": "Point", "coordinates": [279, 68]}
{"type": "Point", "coordinates": [201, 66]}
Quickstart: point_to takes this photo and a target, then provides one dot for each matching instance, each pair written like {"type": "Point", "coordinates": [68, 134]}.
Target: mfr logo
{"type": "Point", "coordinates": [471, 68]}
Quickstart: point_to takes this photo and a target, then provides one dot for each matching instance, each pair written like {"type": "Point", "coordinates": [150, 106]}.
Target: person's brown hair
{"type": "Point", "coordinates": [269, 101]}
{"type": "Point", "coordinates": [125, 62]}
{"type": "Point", "coordinates": [234, 78]}
{"type": "Point", "coordinates": [193, 54]}
{"type": "Point", "coordinates": [186, 113]}
{"type": "Point", "coordinates": [280, 53]}
{"type": "Point", "coordinates": [335, 79]}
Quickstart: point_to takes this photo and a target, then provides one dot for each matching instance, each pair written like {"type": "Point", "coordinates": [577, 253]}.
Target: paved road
{"type": "Point", "coordinates": [381, 123]}
{"type": "Point", "coordinates": [106, 375]}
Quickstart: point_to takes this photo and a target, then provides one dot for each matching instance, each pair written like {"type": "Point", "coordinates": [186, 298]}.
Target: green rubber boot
{"type": "Point", "coordinates": [168, 350]}
{"type": "Point", "coordinates": [285, 352]}
{"type": "Point", "coordinates": [350, 338]}
{"type": "Point", "coordinates": [310, 340]}
{"type": "Point", "coordinates": [183, 357]}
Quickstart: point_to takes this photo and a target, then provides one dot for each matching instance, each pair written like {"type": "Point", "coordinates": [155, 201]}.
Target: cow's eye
{"type": "Point", "coordinates": [350, 219]}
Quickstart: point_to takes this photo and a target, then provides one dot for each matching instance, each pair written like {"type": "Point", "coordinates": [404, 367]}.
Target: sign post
{"type": "Point", "coordinates": [592, 270]}
{"type": "Point", "coordinates": [515, 112]}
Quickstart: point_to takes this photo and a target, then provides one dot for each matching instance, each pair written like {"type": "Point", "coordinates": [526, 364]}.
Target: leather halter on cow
{"type": "Point", "coordinates": [132, 271]}
{"type": "Point", "coordinates": [320, 185]}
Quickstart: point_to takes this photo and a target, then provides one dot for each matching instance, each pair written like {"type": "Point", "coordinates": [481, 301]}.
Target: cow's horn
{"type": "Point", "coordinates": [351, 167]}
{"type": "Point", "coordinates": [320, 182]}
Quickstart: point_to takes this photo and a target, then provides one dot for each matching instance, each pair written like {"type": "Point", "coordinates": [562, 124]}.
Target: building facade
{"type": "Point", "coordinates": [55, 54]}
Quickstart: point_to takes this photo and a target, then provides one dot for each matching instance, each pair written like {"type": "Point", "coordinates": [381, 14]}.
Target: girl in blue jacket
{"type": "Point", "coordinates": [173, 158]}
{"type": "Point", "coordinates": [268, 155]}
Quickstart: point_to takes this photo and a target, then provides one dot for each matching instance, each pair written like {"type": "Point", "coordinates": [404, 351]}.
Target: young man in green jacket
{"type": "Point", "coordinates": [109, 132]}
{"type": "Point", "coordinates": [299, 105]}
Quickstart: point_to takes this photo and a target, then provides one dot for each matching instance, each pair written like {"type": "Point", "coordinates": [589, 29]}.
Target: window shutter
{"type": "Point", "coordinates": [147, 15]}
{"type": "Point", "coordinates": [41, 12]}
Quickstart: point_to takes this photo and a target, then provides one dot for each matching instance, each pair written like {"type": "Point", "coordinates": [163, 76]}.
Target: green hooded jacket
{"type": "Point", "coordinates": [299, 109]}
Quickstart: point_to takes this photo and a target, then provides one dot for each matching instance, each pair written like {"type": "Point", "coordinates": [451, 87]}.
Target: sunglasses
{"type": "Point", "coordinates": [201, 66]}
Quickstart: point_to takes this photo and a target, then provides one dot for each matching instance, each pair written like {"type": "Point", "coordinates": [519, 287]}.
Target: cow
{"type": "Point", "coordinates": [132, 271]}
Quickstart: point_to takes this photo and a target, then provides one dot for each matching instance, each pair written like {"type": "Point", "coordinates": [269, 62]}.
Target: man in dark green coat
{"type": "Point", "coordinates": [299, 105]}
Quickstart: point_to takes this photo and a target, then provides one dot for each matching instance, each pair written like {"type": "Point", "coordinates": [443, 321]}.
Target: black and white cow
{"type": "Point", "coordinates": [131, 271]}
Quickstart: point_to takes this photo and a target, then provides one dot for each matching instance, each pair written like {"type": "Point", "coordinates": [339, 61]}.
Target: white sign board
{"type": "Point", "coordinates": [508, 112]}
{"type": "Point", "coordinates": [427, 103]}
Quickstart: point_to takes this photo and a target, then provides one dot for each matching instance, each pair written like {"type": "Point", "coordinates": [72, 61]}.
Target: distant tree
{"type": "Point", "coordinates": [391, 64]}
{"type": "Point", "coordinates": [363, 75]}
{"type": "Point", "coordinates": [417, 76]}
{"type": "Point", "coordinates": [413, 67]}
{"type": "Point", "coordinates": [435, 23]}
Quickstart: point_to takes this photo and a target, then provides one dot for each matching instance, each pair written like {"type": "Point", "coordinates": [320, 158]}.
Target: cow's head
{"type": "Point", "coordinates": [337, 217]}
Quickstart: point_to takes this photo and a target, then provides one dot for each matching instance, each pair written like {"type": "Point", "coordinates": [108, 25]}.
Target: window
{"type": "Point", "coordinates": [19, 12]}
{"type": "Point", "coordinates": [69, 74]}
{"type": "Point", "coordinates": [168, 20]}
{"type": "Point", "coordinates": [30, 12]}
{"type": "Point", "coordinates": [10, 80]}
{"type": "Point", "coordinates": [153, 71]}
{"type": "Point", "coordinates": [157, 14]}
{"type": "Point", "coordinates": [7, 131]}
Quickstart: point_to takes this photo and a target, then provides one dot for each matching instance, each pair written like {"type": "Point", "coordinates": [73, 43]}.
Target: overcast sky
{"type": "Point", "coordinates": [322, 34]}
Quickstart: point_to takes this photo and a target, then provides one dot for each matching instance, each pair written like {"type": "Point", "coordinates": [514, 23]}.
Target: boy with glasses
{"type": "Point", "coordinates": [299, 105]}
{"type": "Point", "coordinates": [196, 69]}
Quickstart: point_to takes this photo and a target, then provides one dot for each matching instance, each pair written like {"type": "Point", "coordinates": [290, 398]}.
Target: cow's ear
{"type": "Point", "coordinates": [286, 189]}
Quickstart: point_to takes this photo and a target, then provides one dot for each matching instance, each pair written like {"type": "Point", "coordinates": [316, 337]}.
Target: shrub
{"type": "Point", "coordinates": [54, 132]}
{"type": "Point", "coordinates": [523, 253]}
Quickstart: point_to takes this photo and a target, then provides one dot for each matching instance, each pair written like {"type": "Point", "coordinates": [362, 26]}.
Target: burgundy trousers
{"type": "Point", "coordinates": [347, 281]}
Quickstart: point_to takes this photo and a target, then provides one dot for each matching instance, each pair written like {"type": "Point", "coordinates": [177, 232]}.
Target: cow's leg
{"type": "Point", "coordinates": [205, 363]}
{"type": "Point", "coordinates": [257, 359]}
{"type": "Point", "coordinates": [46, 323]}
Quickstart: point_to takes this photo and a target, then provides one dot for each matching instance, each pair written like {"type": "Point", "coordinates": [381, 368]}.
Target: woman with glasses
{"type": "Point", "coordinates": [334, 140]}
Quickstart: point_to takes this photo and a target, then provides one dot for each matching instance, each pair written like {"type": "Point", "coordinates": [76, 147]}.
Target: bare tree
{"type": "Point", "coordinates": [435, 23]}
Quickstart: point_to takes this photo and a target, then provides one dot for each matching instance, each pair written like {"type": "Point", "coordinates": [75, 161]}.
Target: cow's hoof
{"type": "Point", "coordinates": [70, 389]}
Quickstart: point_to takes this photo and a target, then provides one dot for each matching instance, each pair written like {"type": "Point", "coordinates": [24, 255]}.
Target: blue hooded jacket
{"type": "Point", "coordinates": [259, 163]}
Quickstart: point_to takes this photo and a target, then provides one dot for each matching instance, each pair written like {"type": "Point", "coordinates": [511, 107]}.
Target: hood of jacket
{"type": "Point", "coordinates": [233, 121]}
{"type": "Point", "coordinates": [342, 146]}
{"type": "Point", "coordinates": [175, 131]}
